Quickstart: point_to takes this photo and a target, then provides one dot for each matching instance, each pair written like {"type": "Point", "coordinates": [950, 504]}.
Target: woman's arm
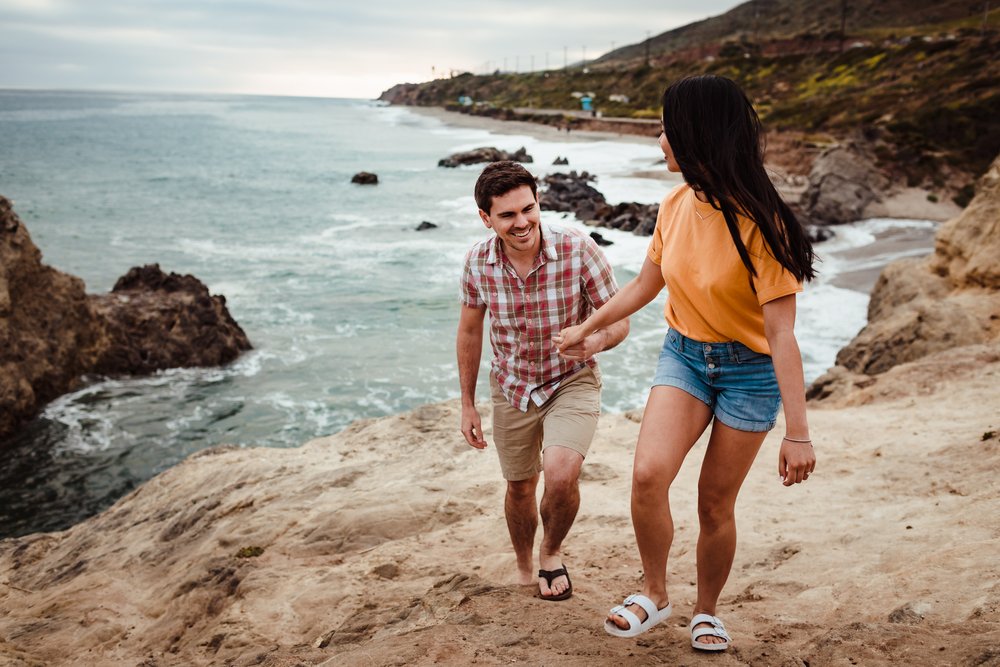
{"type": "Point", "coordinates": [796, 458]}
{"type": "Point", "coordinates": [637, 293]}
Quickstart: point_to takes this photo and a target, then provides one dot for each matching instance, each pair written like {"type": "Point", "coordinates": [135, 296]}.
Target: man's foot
{"type": "Point", "coordinates": [526, 577]}
{"type": "Point", "coordinates": [660, 602]}
{"type": "Point", "coordinates": [548, 576]}
{"type": "Point", "coordinates": [552, 586]}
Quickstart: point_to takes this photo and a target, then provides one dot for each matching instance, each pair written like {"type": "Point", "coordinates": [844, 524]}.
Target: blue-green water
{"type": "Point", "coordinates": [350, 310]}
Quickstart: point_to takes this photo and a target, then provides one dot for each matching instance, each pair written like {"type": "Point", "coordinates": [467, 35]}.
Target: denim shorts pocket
{"type": "Point", "coordinates": [748, 356]}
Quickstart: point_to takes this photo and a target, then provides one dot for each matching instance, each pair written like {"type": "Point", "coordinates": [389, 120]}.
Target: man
{"type": "Point", "coordinates": [534, 281]}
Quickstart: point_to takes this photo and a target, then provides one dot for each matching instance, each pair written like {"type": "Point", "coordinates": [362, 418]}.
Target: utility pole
{"type": "Point", "coordinates": [843, 23]}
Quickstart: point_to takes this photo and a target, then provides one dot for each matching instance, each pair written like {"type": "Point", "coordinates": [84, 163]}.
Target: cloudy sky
{"type": "Point", "coordinates": [328, 48]}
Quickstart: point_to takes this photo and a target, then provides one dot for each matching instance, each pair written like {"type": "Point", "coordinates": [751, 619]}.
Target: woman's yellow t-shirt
{"type": "Point", "coordinates": [712, 297]}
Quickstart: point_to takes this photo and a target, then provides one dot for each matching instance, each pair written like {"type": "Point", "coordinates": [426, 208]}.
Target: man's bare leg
{"type": "Point", "coordinates": [522, 522]}
{"type": "Point", "coordinates": [560, 502]}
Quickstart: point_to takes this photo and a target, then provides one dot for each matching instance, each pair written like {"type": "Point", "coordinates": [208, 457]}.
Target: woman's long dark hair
{"type": "Point", "coordinates": [717, 141]}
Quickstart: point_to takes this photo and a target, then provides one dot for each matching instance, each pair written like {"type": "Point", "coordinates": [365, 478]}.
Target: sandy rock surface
{"type": "Point", "coordinates": [386, 545]}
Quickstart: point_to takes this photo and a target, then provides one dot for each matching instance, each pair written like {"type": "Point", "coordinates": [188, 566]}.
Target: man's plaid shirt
{"type": "Point", "coordinates": [570, 278]}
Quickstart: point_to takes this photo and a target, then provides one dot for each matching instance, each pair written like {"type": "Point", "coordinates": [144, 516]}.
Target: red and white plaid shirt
{"type": "Point", "coordinates": [569, 279]}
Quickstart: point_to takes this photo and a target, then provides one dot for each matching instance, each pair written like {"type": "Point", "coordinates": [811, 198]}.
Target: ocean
{"type": "Point", "coordinates": [351, 311]}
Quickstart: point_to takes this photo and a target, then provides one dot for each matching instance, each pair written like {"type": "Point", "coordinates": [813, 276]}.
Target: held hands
{"type": "Point", "coordinates": [472, 427]}
{"type": "Point", "coordinates": [796, 460]}
{"type": "Point", "coordinates": [576, 345]}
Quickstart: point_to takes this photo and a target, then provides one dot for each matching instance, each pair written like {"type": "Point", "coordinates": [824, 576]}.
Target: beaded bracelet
{"type": "Point", "coordinates": [797, 440]}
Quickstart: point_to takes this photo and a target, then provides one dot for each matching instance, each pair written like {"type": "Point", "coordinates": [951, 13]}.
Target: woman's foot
{"type": "Point", "coordinates": [647, 615]}
{"type": "Point", "coordinates": [708, 633]}
{"type": "Point", "coordinates": [661, 602]}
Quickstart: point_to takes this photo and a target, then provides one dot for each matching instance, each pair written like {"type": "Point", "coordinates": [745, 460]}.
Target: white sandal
{"type": "Point", "coordinates": [717, 630]}
{"type": "Point", "coordinates": [635, 626]}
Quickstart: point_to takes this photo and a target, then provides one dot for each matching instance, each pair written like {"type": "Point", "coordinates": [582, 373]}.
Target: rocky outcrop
{"type": "Point", "coordinates": [48, 330]}
{"type": "Point", "coordinates": [52, 333]}
{"type": "Point", "coordinates": [924, 306]}
{"type": "Point", "coordinates": [572, 193]}
{"type": "Point", "coordinates": [484, 154]}
{"type": "Point", "coordinates": [843, 184]}
{"type": "Point", "coordinates": [365, 178]}
{"type": "Point", "coordinates": [152, 320]}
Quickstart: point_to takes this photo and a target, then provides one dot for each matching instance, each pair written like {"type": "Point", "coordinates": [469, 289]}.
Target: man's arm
{"type": "Point", "coordinates": [469, 346]}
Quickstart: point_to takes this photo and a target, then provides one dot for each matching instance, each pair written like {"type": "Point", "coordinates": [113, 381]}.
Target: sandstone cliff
{"type": "Point", "coordinates": [52, 332]}
{"type": "Point", "coordinates": [920, 307]}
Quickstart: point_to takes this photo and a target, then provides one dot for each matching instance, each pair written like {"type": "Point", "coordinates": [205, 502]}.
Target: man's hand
{"type": "Point", "coordinates": [472, 427]}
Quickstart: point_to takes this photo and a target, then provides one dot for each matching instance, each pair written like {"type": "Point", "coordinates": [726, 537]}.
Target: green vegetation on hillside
{"type": "Point", "coordinates": [929, 100]}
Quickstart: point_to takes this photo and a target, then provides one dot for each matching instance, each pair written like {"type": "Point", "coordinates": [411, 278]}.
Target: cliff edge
{"type": "Point", "coordinates": [927, 306]}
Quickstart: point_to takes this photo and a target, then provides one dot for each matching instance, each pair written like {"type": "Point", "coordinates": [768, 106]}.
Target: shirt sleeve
{"type": "Point", "coordinates": [772, 281]}
{"type": "Point", "coordinates": [470, 285]}
{"type": "Point", "coordinates": [596, 275]}
{"type": "Point", "coordinates": [655, 251]}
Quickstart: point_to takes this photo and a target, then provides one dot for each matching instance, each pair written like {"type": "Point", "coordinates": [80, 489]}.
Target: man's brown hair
{"type": "Point", "coordinates": [498, 179]}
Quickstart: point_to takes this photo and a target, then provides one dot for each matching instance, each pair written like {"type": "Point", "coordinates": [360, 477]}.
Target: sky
{"type": "Point", "coordinates": [316, 48]}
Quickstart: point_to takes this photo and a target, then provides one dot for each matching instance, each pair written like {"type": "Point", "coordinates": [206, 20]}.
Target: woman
{"type": "Point", "coordinates": [732, 256]}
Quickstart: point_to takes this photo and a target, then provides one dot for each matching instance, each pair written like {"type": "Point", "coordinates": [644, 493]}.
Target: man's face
{"type": "Point", "coordinates": [515, 217]}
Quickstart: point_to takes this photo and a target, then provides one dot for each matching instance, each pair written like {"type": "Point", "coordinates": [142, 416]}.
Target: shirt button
{"type": "Point", "coordinates": [708, 348]}
{"type": "Point", "coordinates": [532, 363]}
{"type": "Point", "coordinates": [711, 365]}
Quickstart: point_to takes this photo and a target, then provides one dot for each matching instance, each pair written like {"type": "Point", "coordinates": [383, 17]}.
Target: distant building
{"type": "Point", "coordinates": [618, 98]}
{"type": "Point", "coordinates": [587, 103]}
{"type": "Point", "coordinates": [465, 100]}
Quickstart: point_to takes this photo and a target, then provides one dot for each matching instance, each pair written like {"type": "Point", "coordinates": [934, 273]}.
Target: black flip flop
{"type": "Point", "coordinates": [548, 576]}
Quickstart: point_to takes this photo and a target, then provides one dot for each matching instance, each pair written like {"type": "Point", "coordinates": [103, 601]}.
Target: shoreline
{"type": "Point", "coordinates": [788, 161]}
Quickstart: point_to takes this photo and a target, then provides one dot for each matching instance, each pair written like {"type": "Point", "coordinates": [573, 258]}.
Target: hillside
{"type": "Point", "coordinates": [769, 20]}
{"type": "Point", "coordinates": [925, 94]}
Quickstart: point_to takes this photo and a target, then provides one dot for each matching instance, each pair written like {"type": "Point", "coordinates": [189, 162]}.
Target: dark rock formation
{"type": "Point", "coordinates": [843, 183]}
{"type": "Point", "coordinates": [52, 333]}
{"type": "Point", "coordinates": [365, 178]}
{"type": "Point", "coordinates": [153, 320]}
{"type": "Point", "coordinates": [600, 240]}
{"type": "Point", "coordinates": [48, 331]}
{"type": "Point", "coordinates": [561, 161]}
{"type": "Point", "coordinates": [572, 193]}
{"type": "Point", "coordinates": [485, 154]}
{"type": "Point", "coordinates": [424, 226]}
{"type": "Point", "coordinates": [920, 307]}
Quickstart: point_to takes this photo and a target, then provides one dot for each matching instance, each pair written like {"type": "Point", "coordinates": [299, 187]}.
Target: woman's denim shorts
{"type": "Point", "coordinates": [737, 383]}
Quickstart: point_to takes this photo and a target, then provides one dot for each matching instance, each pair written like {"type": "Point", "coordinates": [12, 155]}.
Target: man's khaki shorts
{"type": "Point", "coordinates": [568, 419]}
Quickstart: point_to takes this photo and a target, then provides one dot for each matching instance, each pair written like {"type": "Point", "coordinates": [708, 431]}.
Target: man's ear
{"type": "Point", "coordinates": [486, 219]}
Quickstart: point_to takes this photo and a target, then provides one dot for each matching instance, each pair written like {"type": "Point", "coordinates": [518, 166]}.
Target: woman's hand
{"type": "Point", "coordinates": [796, 460]}
{"type": "Point", "coordinates": [570, 337]}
